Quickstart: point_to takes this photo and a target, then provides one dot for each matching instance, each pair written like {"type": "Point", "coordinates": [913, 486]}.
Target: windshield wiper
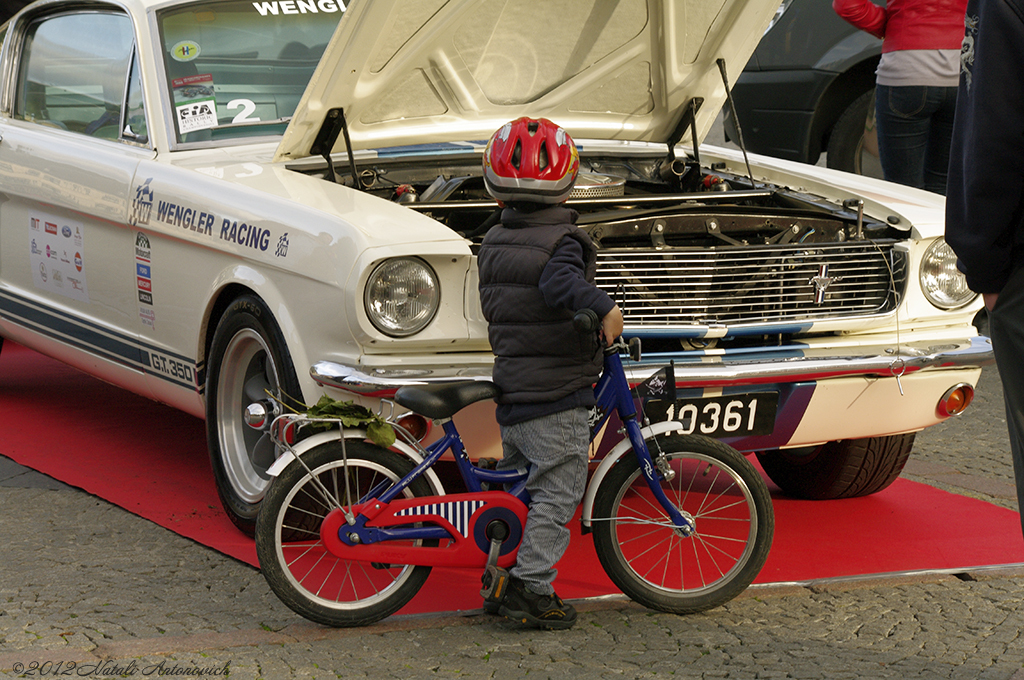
{"type": "Point", "coordinates": [254, 123]}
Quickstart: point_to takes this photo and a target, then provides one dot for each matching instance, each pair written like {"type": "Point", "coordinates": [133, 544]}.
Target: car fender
{"type": "Point", "coordinates": [264, 286]}
{"type": "Point", "coordinates": [316, 440]}
{"type": "Point", "coordinates": [612, 457]}
{"type": "Point", "coordinates": [848, 52]}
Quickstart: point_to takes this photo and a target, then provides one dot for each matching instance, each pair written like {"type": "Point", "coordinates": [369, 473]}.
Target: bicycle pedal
{"type": "Point", "coordinates": [495, 582]}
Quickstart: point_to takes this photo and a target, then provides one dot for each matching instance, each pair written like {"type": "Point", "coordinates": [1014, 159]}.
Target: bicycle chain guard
{"type": "Point", "coordinates": [464, 517]}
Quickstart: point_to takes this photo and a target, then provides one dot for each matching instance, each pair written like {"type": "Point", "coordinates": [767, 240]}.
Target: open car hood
{"type": "Point", "coordinates": [404, 72]}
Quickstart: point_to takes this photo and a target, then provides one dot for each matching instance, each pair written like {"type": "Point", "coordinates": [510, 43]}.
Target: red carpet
{"type": "Point", "coordinates": [152, 461]}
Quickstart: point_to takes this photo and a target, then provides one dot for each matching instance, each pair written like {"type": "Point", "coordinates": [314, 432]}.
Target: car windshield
{"type": "Point", "coordinates": [238, 69]}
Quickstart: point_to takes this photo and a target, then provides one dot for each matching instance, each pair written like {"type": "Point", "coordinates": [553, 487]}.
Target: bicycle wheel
{"type": "Point", "coordinates": [652, 562]}
{"type": "Point", "coordinates": [293, 558]}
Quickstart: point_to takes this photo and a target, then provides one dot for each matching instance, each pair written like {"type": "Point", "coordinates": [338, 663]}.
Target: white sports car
{"type": "Point", "coordinates": [228, 205]}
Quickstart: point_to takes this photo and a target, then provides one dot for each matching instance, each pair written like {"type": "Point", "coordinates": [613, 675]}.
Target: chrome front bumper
{"type": "Point", "coordinates": [771, 365]}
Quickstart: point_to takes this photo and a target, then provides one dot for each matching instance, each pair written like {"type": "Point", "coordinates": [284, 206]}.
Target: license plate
{"type": "Point", "coordinates": [734, 415]}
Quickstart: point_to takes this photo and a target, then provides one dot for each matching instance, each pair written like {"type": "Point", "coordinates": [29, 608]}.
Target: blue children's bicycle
{"type": "Point", "coordinates": [348, 531]}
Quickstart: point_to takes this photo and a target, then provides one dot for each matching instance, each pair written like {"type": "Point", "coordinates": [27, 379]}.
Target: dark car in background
{"type": "Point", "coordinates": [809, 89]}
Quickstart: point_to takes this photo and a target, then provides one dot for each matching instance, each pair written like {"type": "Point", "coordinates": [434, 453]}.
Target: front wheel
{"type": "Point", "coordinates": [650, 560]}
{"type": "Point", "coordinates": [293, 558]}
{"type": "Point", "coordinates": [249, 362]}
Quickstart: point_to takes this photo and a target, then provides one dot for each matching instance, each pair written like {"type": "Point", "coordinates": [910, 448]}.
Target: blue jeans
{"type": "Point", "coordinates": [915, 124]}
{"type": "Point", "coordinates": [554, 449]}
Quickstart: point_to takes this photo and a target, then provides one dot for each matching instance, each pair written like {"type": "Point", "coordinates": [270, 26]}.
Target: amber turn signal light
{"type": "Point", "coordinates": [956, 400]}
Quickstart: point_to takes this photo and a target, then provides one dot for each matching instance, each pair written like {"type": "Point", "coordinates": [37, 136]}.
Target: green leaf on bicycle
{"type": "Point", "coordinates": [351, 414]}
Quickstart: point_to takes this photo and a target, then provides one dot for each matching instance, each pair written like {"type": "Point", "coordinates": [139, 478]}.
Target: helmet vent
{"type": "Point", "coordinates": [542, 160]}
{"type": "Point", "coordinates": [517, 155]}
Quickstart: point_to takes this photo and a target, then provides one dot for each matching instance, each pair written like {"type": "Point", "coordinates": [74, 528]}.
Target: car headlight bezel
{"type": "Point", "coordinates": [942, 283]}
{"type": "Point", "coordinates": [402, 296]}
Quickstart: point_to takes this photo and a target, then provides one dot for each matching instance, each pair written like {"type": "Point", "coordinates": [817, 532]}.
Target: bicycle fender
{"type": "Point", "coordinates": [612, 456]}
{"type": "Point", "coordinates": [323, 437]}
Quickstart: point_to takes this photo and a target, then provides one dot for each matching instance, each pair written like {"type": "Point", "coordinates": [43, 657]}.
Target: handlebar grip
{"type": "Point", "coordinates": [586, 321]}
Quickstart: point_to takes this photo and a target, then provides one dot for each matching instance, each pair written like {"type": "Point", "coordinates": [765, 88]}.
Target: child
{"type": "Point", "coordinates": [536, 270]}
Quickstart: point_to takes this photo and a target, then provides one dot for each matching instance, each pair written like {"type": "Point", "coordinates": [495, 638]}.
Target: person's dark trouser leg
{"type": "Point", "coordinates": [936, 162]}
{"type": "Point", "coordinates": [901, 118]}
{"type": "Point", "coordinates": [1006, 325]}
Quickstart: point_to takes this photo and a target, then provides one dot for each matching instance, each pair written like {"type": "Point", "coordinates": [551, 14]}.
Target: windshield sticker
{"type": "Point", "coordinates": [194, 103]}
{"type": "Point", "coordinates": [248, 108]}
{"type": "Point", "coordinates": [57, 256]}
{"type": "Point", "coordinates": [299, 7]}
{"type": "Point", "coordinates": [186, 50]}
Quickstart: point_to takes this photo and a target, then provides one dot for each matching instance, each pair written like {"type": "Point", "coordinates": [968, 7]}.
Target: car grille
{"type": "Point", "coordinates": [752, 285]}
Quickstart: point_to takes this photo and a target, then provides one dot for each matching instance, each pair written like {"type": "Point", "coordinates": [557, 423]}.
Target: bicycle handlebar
{"type": "Point", "coordinates": [586, 321]}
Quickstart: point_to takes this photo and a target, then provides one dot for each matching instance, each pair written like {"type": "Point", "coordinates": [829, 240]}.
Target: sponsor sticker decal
{"type": "Point", "coordinates": [186, 50]}
{"type": "Point", "coordinates": [142, 204]}
{"type": "Point", "coordinates": [57, 256]}
{"type": "Point", "coordinates": [144, 278]}
{"type": "Point", "coordinates": [194, 103]}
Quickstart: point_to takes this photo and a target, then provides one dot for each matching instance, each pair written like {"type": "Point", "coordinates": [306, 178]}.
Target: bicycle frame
{"type": "Point", "coordinates": [379, 527]}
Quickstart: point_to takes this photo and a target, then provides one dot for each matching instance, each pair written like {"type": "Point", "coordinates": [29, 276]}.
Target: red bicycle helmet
{"type": "Point", "coordinates": [530, 160]}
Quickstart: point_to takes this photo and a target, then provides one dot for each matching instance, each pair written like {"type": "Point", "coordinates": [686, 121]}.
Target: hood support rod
{"type": "Point", "coordinates": [736, 118]}
{"type": "Point", "coordinates": [333, 125]}
{"type": "Point", "coordinates": [671, 169]}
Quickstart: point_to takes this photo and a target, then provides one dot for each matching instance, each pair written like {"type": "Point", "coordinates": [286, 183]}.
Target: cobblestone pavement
{"type": "Point", "coordinates": [87, 589]}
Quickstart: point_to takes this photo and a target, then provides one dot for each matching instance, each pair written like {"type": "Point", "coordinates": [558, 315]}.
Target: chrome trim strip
{"type": "Point", "coordinates": [870, 362]}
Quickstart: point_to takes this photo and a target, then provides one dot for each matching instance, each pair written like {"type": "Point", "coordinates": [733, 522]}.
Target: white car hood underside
{"type": "Point", "coordinates": [418, 72]}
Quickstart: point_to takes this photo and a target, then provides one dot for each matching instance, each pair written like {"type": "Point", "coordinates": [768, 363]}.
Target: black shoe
{"type": "Point", "coordinates": [540, 611]}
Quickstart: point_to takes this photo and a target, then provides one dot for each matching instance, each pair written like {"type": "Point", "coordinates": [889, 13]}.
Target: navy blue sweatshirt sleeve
{"type": "Point", "coordinates": [985, 195]}
{"type": "Point", "coordinates": [564, 285]}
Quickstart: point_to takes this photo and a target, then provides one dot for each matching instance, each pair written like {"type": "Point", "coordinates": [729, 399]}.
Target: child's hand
{"type": "Point", "coordinates": [611, 325]}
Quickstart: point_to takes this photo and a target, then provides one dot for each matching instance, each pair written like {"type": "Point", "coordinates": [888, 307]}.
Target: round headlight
{"type": "Point", "coordinates": [942, 283]}
{"type": "Point", "coordinates": [402, 295]}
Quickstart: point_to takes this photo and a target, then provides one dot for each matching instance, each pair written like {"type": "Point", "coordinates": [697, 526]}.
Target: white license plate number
{"type": "Point", "coordinates": [740, 415]}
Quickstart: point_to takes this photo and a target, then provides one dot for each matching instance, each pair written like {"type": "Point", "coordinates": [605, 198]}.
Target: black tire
{"type": "Point", "coordinates": [846, 149]}
{"type": "Point", "coordinates": [657, 567]}
{"type": "Point", "coordinates": [296, 564]}
{"type": "Point", "coordinates": [840, 469]}
{"type": "Point", "coordinates": [248, 357]}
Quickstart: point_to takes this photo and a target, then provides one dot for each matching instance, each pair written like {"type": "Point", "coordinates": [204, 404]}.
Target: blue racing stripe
{"type": "Point", "coordinates": [90, 337]}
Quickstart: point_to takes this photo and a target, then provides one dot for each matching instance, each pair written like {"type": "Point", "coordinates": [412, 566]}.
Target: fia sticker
{"type": "Point", "coordinates": [186, 50]}
{"type": "Point", "coordinates": [195, 105]}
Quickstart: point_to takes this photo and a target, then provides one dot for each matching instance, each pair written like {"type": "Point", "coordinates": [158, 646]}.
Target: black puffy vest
{"type": "Point", "coordinates": [539, 357]}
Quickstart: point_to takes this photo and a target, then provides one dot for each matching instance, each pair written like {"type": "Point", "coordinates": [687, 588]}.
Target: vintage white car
{"type": "Point", "coordinates": [228, 205]}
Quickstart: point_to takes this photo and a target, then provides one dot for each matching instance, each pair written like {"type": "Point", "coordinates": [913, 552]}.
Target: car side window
{"type": "Point", "coordinates": [73, 72]}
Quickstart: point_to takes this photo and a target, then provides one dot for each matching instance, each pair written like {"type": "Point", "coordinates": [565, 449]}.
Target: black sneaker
{"type": "Point", "coordinates": [540, 611]}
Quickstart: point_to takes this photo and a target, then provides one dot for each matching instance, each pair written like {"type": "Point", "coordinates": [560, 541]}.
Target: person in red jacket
{"type": "Point", "coordinates": [915, 84]}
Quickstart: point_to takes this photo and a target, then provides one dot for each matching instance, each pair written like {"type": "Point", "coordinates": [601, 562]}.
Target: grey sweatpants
{"type": "Point", "coordinates": [1006, 325]}
{"type": "Point", "coordinates": [554, 450]}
